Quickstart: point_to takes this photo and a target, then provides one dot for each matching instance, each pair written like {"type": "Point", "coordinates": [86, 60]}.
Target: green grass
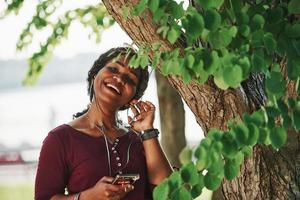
{"type": "Point", "coordinates": [16, 192]}
{"type": "Point", "coordinates": [25, 192]}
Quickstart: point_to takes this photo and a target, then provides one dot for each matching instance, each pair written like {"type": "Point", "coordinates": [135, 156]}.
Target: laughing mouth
{"type": "Point", "coordinates": [115, 88]}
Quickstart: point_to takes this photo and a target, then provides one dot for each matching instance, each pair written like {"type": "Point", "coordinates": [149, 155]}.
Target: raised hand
{"type": "Point", "coordinates": [143, 118]}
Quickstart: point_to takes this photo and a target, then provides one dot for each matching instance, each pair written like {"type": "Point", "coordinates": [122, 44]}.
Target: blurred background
{"type": "Point", "coordinates": [27, 114]}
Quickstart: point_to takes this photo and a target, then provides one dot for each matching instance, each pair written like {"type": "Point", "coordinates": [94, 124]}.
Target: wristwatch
{"type": "Point", "coordinates": [149, 133]}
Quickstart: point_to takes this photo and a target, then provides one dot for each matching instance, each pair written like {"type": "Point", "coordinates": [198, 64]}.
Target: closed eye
{"type": "Point", "coordinates": [129, 80]}
{"type": "Point", "coordinates": [112, 69]}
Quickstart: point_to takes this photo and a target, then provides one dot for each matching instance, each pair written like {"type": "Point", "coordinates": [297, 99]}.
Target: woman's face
{"type": "Point", "coordinates": [115, 84]}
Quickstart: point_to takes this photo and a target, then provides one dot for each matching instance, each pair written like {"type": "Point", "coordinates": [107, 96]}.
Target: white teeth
{"type": "Point", "coordinates": [114, 87]}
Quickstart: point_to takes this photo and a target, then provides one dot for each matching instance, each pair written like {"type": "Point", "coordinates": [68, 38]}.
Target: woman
{"type": "Point", "coordinates": [84, 155]}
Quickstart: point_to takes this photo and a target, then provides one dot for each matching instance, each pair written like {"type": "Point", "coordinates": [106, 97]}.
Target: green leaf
{"type": "Point", "coordinates": [257, 118]}
{"type": "Point", "coordinates": [173, 35]}
{"type": "Point", "coordinates": [247, 151]}
{"type": "Point", "coordinates": [212, 182]}
{"type": "Point", "coordinates": [253, 134]}
{"type": "Point", "coordinates": [175, 180]}
{"type": "Point", "coordinates": [153, 5]}
{"type": "Point", "coordinates": [212, 20]}
{"type": "Point", "coordinates": [242, 18]}
{"type": "Point", "coordinates": [287, 121]}
{"type": "Point", "coordinates": [237, 5]}
{"type": "Point", "coordinates": [177, 10]}
{"type": "Point", "coordinates": [258, 62]}
{"type": "Point", "coordinates": [166, 67]}
{"type": "Point", "coordinates": [144, 61]}
{"type": "Point", "coordinates": [231, 169]}
{"type": "Point", "coordinates": [140, 7]}
{"type": "Point", "coordinates": [296, 119]}
{"type": "Point", "coordinates": [186, 75]}
{"type": "Point", "coordinates": [275, 84]}
{"type": "Point", "coordinates": [294, 7]}
{"type": "Point", "coordinates": [293, 68]}
{"type": "Point", "coordinates": [159, 13]}
{"type": "Point", "coordinates": [193, 24]}
{"type": "Point", "coordinates": [189, 61]}
{"type": "Point", "coordinates": [220, 38]}
{"type": "Point", "coordinates": [201, 74]}
{"type": "Point", "coordinates": [155, 59]}
{"type": "Point", "coordinates": [215, 134]}
{"type": "Point", "coordinates": [197, 189]}
{"type": "Point", "coordinates": [206, 142]}
{"type": "Point", "coordinates": [296, 45]}
{"type": "Point", "coordinates": [161, 191]}
{"type": "Point", "coordinates": [211, 61]}
{"type": "Point", "coordinates": [270, 43]}
{"type": "Point", "coordinates": [272, 111]}
{"type": "Point", "coordinates": [292, 31]}
{"type": "Point", "coordinates": [278, 137]}
{"type": "Point", "coordinates": [201, 155]}
{"type": "Point", "coordinates": [274, 15]}
{"type": "Point", "coordinates": [230, 147]}
{"type": "Point", "coordinates": [232, 31]}
{"type": "Point", "coordinates": [233, 75]}
{"type": "Point", "coordinates": [189, 173]}
{"type": "Point", "coordinates": [185, 155]}
{"type": "Point", "coordinates": [244, 30]}
{"type": "Point", "coordinates": [257, 22]}
{"type": "Point", "coordinates": [241, 133]}
{"type": "Point", "coordinates": [217, 146]}
{"type": "Point", "coordinates": [219, 81]}
{"type": "Point", "coordinates": [217, 164]}
{"type": "Point", "coordinates": [211, 4]}
{"type": "Point", "coordinates": [180, 194]}
{"type": "Point", "coordinates": [256, 39]}
{"type": "Point", "coordinates": [134, 61]}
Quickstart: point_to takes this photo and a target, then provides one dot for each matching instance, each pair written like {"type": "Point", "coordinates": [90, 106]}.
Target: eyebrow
{"type": "Point", "coordinates": [120, 63]}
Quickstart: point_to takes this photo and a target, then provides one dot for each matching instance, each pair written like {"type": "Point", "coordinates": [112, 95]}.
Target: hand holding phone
{"type": "Point", "coordinates": [125, 179]}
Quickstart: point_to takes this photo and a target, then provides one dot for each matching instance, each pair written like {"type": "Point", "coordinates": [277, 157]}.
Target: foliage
{"type": "Point", "coordinates": [238, 37]}
{"type": "Point", "coordinates": [94, 17]}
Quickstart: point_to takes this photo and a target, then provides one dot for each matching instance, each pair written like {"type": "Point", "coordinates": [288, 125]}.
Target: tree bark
{"type": "Point", "coordinates": [172, 119]}
{"type": "Point", "coordinates": [267, 174]}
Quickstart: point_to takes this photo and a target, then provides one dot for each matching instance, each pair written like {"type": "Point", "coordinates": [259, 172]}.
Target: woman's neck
{"type": "Point", "coordinates": [98, 116]}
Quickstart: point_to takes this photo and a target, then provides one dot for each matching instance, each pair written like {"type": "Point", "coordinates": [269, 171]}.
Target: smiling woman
{"type": "Point", "coordinates": [82, 156]}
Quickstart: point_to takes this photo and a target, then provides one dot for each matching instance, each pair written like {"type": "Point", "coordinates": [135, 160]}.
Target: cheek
{"type": "Point", "coordinates": [131, 91]}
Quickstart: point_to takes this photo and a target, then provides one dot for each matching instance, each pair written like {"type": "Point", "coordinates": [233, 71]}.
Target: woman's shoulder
{"type": "Point", "coordinates": [59, 133]}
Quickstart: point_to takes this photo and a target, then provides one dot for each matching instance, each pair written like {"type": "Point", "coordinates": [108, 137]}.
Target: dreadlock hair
{"type": "Point", "coordinates": [103, 59]}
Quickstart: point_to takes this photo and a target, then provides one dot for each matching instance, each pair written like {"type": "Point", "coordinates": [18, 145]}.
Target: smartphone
{"type": "Point", "coordinates": [124, 179]}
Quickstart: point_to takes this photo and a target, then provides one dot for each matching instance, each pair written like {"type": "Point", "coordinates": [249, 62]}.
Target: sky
{"type": "Point", "coordinates": [38, 101]}
{"type": "Point", "coordinates": [77, 42]}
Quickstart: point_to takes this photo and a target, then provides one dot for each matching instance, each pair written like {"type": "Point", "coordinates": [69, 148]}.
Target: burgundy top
{"type": "Point", "coordinates": [76, 161]}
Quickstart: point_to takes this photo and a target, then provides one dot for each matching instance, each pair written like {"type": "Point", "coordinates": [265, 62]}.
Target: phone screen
{"type": "Point", "coordinates": [124, 179]}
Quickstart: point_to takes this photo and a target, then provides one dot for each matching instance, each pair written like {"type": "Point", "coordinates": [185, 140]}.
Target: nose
{"type": "Point", "coordinates": [119, 79]}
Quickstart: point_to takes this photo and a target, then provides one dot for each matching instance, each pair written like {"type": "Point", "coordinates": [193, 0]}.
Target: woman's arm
{"type": "Point", "coordinates": [158, 165]}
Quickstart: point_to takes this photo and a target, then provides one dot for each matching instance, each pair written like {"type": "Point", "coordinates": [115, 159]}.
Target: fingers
{"type": "Point", "coordinates": [106, 179]}
{"type": "Point", "coordinates": [122, 191]}
{"type": "Point", "coordinates": [149, 106]}
{"type": "Point", "coordinates": [141, 107]}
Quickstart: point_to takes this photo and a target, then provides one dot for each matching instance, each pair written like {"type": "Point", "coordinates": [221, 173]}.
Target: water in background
{"type": "Point", "coordinates": [28, 114]}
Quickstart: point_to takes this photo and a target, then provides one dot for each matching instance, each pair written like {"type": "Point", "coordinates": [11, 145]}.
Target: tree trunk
{"type": "Point", "coordinates": [268, 174]}
{"type": "Point", "coordinates": [172, 119]}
